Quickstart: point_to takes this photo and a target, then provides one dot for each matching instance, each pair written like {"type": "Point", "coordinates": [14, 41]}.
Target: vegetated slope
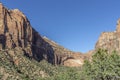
{"type": "Point", "coordinates": [15, 66]}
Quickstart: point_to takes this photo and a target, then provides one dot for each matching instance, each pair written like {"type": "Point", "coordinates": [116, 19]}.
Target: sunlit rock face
{"type": "Point", "coordinates": [16, 32]}
{"type": "Point", "coordinates": [110, 40]}
{"type": "Point", "coordinates": [15, 28]}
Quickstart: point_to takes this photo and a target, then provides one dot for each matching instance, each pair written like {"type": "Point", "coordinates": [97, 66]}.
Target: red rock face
{"type": "Point", "coordinates": [15, 27]}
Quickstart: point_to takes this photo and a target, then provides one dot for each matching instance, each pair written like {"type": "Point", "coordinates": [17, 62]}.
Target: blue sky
{"type": "Point", "coordinates": [74, 24]}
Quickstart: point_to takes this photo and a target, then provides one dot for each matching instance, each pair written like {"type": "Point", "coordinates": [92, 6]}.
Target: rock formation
{"type": "Point", "coordinates": [110, 40]}
{"type": "Point", "coordinates": [17, 33]}
{"type": "Point", "coordinates": [66, 57]}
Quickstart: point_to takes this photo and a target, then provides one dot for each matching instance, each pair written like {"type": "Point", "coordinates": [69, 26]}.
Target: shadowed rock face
{"type": "Point", "coordinates": [66, 57]}
{"type": "Point", "coordinates": [16, 32]}
{"type": "Point", "coordinates": [110, 40]}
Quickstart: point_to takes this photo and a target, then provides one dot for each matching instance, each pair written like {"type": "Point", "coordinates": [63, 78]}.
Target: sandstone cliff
{"type": "Point", "coordinates": [66, 57]}
{"type": "Point", "coordinates": [110, 40]}
{"type": "Point", "coordinates": [17, 33]}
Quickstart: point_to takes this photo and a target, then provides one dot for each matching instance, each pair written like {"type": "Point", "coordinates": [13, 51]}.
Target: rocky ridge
{"type": "Point", "coordinates": [16, 32]}
{"type": "Point", "coordinates": [67, 57]}
{"type": "Point", "coordinates": [110, 40]}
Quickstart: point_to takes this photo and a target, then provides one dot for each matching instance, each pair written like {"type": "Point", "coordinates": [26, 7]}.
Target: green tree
{"type": "Point", "coordinates": [104, 66]}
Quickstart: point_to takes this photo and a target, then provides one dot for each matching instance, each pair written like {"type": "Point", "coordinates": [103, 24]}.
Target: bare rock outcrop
{"type": "Point", "coordinates": [66, 57]}
{"type": "Point", "coordinates": [110, 40]}
{"type": "Point", "coordinates": [16, 32]}
{"type": "Point", "coordinates": [15, 29]}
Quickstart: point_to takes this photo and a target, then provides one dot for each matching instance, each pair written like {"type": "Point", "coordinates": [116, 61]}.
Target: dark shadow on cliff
{"type": "Point", "coordinates": [2, 41]}
{"type": "Point", "coordinates": [41, 49]}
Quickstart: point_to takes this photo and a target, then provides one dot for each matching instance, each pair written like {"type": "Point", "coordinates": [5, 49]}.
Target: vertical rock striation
{"type": "Point", "coordinates": [16, 32]}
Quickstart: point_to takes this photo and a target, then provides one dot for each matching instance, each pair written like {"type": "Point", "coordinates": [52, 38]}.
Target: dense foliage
{"type": "Point", "coordinates": [103, 66]}
{"type": "Point", "coordinates": [29, 69]}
